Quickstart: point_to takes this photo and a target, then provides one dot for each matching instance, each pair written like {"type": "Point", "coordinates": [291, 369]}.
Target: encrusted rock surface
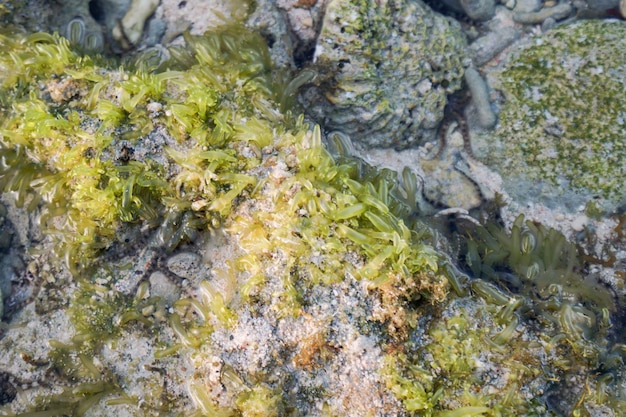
{"type": "Point", "coordinates": [324, 287]}
{"type": "Point", "coordinates": [560, 137]}
{"type": "Point", "coordinates": [389, 66]}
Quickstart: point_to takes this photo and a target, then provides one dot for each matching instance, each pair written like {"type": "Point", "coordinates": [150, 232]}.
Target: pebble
{"type": "Point", "coordinates": [185, 265]}
{"type": "Point", "coordinates": [163, 287]}
{"type": "Point", "coordinates": [479, 9]}
{"type": "Point", "coordinates": [558, 12]}
{"type": "Point", "coordinates": [602, 4]}
{"type": "Point", "coordinates": [485, 48]}
{"type": "Point", "coordinates": [548, 24]}
{"type": "Point", "coordinates": [480, 97]}
{"type": "Point", "coordinates": [579, 223]}
{"type": "Point", "coordinates": [527, 6]}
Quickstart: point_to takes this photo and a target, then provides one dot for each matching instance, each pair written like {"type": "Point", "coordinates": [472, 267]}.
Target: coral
{"type": "Point", "coordinates": [385, 70]}
{"type": "Point", "coordinates": [563, 120]}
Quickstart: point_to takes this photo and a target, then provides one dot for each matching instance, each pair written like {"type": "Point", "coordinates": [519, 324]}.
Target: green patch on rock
{"type": "Point", "coordinates": [564, 118]}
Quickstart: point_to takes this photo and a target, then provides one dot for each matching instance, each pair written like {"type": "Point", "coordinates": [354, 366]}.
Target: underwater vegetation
{"type": "Point", "coordinates": [202, 139]}
{"type": "Point", "coordinates": [83, 145]}
{"type": "Point", "coordinates": [70, 126]}
{"type": "Point", "coordinates": [532, 304]}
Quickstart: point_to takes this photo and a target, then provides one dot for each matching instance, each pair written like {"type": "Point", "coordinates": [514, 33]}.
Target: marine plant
{"type": "Point", "coordinates": [532, 301]}
{"type": "Point", "coordinates": [539, 264]}
{"type": "Point", "coordinates": [98, 147]}
{"type": "Point", "coordinates": [157, 151]}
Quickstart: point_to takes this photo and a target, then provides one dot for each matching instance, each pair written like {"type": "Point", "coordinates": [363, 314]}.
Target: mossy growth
{"type": "Point", "coordinates": [71, 122]}
{"type": "Point", "coordinates": [564, 114]}
{"type": "Point", "coordinates": [198, 141]}
{"type": "Point", "coordinates": [530, 303]}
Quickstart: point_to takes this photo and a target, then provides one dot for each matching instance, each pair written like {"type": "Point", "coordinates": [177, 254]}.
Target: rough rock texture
{"type": "Point", "coordinates": [385, 70]}
{"type": "Point", "coordinates": [479, 9]}
{"type": "Point", "coordinates": [562, 126]}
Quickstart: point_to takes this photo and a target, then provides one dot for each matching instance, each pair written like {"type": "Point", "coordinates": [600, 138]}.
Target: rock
{"type": "Point", "coordinates": [129, 29]}
{"type": "Point", "coordinates": [479, 9]}
{"type": "Point", "coordinates": [480, 98]}
{"type": "Point", "coordinates": [602, 4]}
{"type": "Point", "coordinates": [526, 6]}
{"type": "Point", "coordinates": [548, 24]}
{"type": "Point", "coordinates": [161, 286]}
{"type": "Point", "coordinates": [558, 12]}
{"type": "Point", "coordinates": [560, 138]}
{"type": "Point", "coordinates": [487, 47]}
{"type": "Point", "coordinates": [185, 264]}
{"type": "Point", "coordinates": [385, 71]}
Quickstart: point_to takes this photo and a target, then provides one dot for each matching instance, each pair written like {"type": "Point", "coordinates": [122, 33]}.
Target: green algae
{"type": "Point", "coordinates": [71, 152]}
{"type": "Point", "coordinates": [266, 178]}
{"type": "Point", "coordinates": [563, 119]}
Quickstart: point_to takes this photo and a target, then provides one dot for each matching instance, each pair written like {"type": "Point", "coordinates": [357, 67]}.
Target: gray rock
{"type": "Point", "coordinates": [558, 12]}
{"type": "Point", "coordinates": [385, 71]}
{"type": "Point", "coordinates": [602, 4]}
{"type": "Point", "coordinates": [485, 48]}
{"type": "Point", "coordinates": [527, 6]}
{"type": "Point", "coordinates": [479, 9]}
{"type": "Point", "coordinates": [161, 286]}
{"type": "Point", "coordinates": [185, 264]}
{"type": "Point", "coordinates": [480, 97]}
{"type": "Point", "coordinates": [557, 143]}
{"type": "Point", "coordinates": [548, 24]}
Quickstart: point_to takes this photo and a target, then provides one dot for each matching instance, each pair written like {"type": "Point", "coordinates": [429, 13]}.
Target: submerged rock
{"type": "Point", "coordinates": [389, 66]}
{"type": "Point", "coordinates": [560, 139]}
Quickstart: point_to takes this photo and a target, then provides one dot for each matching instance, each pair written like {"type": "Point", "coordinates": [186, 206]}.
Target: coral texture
{"type": "Point", "coordinates": [390, 66]}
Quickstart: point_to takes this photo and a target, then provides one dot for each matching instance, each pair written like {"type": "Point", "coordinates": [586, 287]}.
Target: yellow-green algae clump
{"type": "Point", "coordinates": [71, 128]}
{"type": "Point", "coordinates": [564, 117]}
{"type": "Point", "coordinates": [196, 142]}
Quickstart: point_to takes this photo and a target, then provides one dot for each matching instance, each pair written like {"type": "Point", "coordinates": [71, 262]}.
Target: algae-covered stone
{"type": "Point", "coordinates": [393, 63]}
{"type": "Point", "coordinates": [562, 128]}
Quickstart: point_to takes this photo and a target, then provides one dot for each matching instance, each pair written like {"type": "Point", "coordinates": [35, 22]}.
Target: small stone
{"type": "Point", "coordinates": [548, 24]}
{"type": "Point", "coordinates": [148, 310]}
{"type": "Point", "coordinates": [161, 286]}
{"type": "Point", "coordinates": [479, 9]}
{"type": "Point", "coordinates": [185, 264]}
{"type": "Point", "coordinates": [480, 97]}
{"type": "Point", "coordinates": [557, 12]}
{"type": "Point", "coordinates": [526, 6]}
{"type": "Point", "coordinates": [487, 47]}
{"type": "Point", "coordinates": [130, 28]}
{"type": "Point", "coordinates": [579, 223]}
